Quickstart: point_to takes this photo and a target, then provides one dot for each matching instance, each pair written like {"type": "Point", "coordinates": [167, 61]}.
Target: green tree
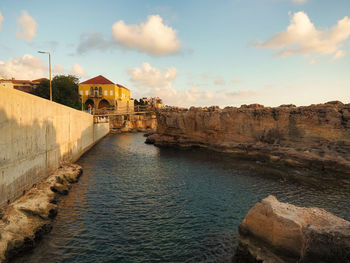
{"type": "Point", "coordinates": [64, 90]}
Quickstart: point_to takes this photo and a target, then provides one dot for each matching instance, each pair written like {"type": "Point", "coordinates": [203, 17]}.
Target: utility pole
{"type": "Point", "coordinates": [45, 52]}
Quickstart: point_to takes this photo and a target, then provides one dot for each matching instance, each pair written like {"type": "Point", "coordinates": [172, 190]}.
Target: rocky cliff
{"type": "Point", "coordinates": [133, 123]}
{"type": "Point", "coordinates": [279, 232]}
{"type": "Point", "coordinates": [316, 136]}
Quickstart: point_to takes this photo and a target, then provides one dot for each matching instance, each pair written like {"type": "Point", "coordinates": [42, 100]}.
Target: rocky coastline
{"type": "Point", "coordinates": [134, 123]}
{"type": "Point", "coordinates": [315, 137]}
{"type": "Point", "coordinates": [274, 232]}
{"type": "Point", "coordinates": [24, 221]}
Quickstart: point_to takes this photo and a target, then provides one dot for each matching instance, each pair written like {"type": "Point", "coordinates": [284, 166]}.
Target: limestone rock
{"type": "Point", "coordinates": [316, 136]}
{"type": "Point", "coordinates": [279, 232]}
{"type": "Point", "coordinates": [26, 219]}
{"type": "Point", "coordinates": [134, 123]}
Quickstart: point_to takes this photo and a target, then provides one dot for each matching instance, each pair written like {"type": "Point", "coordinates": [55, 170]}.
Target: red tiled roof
{"type": "Point", "coordinates": [21, 81]}
{"type": "Point", "coordinates": [97, 80]}
{"type": "Point", "coordinates": [121, 86]}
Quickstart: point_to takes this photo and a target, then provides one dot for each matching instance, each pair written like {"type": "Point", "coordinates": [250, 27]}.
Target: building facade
{"type": "Point", "coordinates": [23, 85]}
{"type": "Point", "coordinates": [101, 93]}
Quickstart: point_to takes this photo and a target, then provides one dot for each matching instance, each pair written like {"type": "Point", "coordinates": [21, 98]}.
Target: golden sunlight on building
{"type": "Point", "coordinates": [101, 93]}
{"type": "Point", "coordinates": [23, 85]}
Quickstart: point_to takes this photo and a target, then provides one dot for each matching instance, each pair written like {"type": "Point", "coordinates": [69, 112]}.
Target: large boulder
{"type": "Point", "coordinates": [279, 232]}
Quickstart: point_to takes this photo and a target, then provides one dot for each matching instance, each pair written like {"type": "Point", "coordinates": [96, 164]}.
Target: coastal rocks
{"type": "Point", "coordinates": [133, 123]}
{"type": "Point", "coordinates": [315, 137]}
{"type": "Point", "coordinates": [279, 232]}
{"type": "Point", "coordinates": [25, 220]}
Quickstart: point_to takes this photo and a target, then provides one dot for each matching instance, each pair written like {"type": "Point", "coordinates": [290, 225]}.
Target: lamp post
{"type": "Point", "coordinates": [82, 101]}
{"type": "Point", "coordinates": [45, 52]}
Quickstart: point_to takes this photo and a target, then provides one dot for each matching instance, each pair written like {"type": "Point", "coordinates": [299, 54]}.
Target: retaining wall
{"type": "Point", "coordinates": [36, 135]}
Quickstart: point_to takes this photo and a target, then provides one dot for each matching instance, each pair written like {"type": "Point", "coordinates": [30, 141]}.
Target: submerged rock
{"type": "Point", "coordinates": [25, 220]}
{"type": "Point", "coordinates": [279, 232]}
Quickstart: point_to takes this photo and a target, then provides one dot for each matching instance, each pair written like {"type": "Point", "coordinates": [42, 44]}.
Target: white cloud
{"type": "Point", "coordinates": [219, 81]}
{"type": "Point", "coordinates": [236, 80]}
{"type": "Point", "coordinates": [29, 67]}
{"type": "Point", "coordinates": [314, 60]}
{"type": "Point", "coordinates": [240, 93]}
{"type": "Point", "coordinates": [28, 27]}
{"type": "Point", "coordinates": [93, 40]}
{"type": "Point", "coordinates": [204, 75]}
{"type": "Point", "coordinates": [339, 54]}
{"type": "Point", "coordinates": [26, 67]}
{"type": "Point", "coordinates": [79, 71]}
{"type": "Point", "coordinates": [149, 81]}
{"type": "Point", "coordinates": [152, 37]}
{"type": "Point", "coordinates": [152, 77]}
{"type": "Point", "coordinates": [1, 19]}
{"type": "Point", "coordinates": [154, 82]}
{"type": "Point", "coordinates": [59, 69]}
{"type": "Point", "coordinates": [302, 37]}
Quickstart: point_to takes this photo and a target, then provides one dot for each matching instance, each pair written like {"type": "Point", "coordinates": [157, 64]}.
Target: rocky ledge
{"type": "Point", "coordinates": [315, 137]}
{"type": "Point", "coordinates": [25, 220]}
{"type": "Point", "coordinates": [279, 232]}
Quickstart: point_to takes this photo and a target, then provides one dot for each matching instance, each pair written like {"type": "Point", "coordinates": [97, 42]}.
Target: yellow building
{"type": "Point", "coordinates": [100, 92]}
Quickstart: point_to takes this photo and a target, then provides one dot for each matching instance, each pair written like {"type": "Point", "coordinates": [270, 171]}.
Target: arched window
{"type": "Point", "coordinates": [91, 91]}
{"type": "Point", "coordinates": [96, 92]}
{"type": "Point", "coordinates": [100, 91]}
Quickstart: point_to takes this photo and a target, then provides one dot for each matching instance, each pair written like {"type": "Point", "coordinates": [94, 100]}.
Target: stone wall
{"type": "Point", "coordinates": [36, 135]}
{"type": "Point", "coordinates": [316, 136]}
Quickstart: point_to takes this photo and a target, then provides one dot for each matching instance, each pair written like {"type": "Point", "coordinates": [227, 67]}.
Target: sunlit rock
{"type": "Point", "coordinates": [273, 231]}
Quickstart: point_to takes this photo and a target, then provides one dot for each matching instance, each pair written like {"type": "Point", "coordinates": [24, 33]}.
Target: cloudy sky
{"type": "Point", "coordinates": [188, 52]}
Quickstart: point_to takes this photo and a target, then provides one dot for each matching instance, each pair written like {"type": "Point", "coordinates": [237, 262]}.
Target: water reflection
{"type": "Point", "coordinates": [138, 203]}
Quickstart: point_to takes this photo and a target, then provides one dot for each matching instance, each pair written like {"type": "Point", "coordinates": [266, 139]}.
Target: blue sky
{"type": "Point", "coordinates": [202, 53]}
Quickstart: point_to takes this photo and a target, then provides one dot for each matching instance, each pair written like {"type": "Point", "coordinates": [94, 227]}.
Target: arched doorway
{"type": "Point", "coordinates": [103, 104]}
{"type": "Point", "coordinates": [89, 102]}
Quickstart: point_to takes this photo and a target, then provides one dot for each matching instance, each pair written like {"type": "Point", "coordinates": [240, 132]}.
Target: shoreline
{"type": "Point", "coordinates": [25, 220]}
{"type": "Point", "coordinates": [302, 170]}
{"type": "Point", "coordinates": [315, 137]}
{"type": "Point", "coordinates": [40, 207]}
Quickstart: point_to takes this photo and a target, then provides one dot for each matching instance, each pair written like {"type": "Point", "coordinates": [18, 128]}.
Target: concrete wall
{"type": "Point", "coordinates": [36, 135]}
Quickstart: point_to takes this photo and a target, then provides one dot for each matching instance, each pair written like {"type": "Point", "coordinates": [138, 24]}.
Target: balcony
{"type": "Point", "coordinates": [95, 95]}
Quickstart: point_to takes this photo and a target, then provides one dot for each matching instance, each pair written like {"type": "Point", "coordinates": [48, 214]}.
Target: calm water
{"type": "Point", "coordinates": [138, 203]}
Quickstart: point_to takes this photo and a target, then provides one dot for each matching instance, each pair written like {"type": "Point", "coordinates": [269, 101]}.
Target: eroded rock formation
{"type": "Point", "coordinates": [133, 123]}
{"type": "Point", "coordinates": [316, 136]}
{"type": "Point", "coordinates": [26, 219]}
{"type": "Point", "coordinates": [279, 232]}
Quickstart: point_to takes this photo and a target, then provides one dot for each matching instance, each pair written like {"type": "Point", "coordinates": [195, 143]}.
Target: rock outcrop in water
{"type": "Point", "coordinates": [278, 232]}
{"type": "Point", "coordinates": [133, 123]}
{"type": "Point", "coordinates": [316, 136]}
{"type": "Point", "coordinates": [25, 220]}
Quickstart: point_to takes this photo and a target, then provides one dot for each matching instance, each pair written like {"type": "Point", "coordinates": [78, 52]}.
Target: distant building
{"type": "Point", "coordinates": [101, 93]}
{"type": "Point", "coordinates": [23, 85]}
{"type": "Point", "coordinates": [155, 102]}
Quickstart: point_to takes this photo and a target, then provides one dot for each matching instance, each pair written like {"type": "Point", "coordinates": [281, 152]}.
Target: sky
{"type": "Point", "coordinates": [187, 52]}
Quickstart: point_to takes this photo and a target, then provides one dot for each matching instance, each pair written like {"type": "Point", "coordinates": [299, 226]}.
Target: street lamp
{"type": "Point", "coordinates": [45, 52]}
